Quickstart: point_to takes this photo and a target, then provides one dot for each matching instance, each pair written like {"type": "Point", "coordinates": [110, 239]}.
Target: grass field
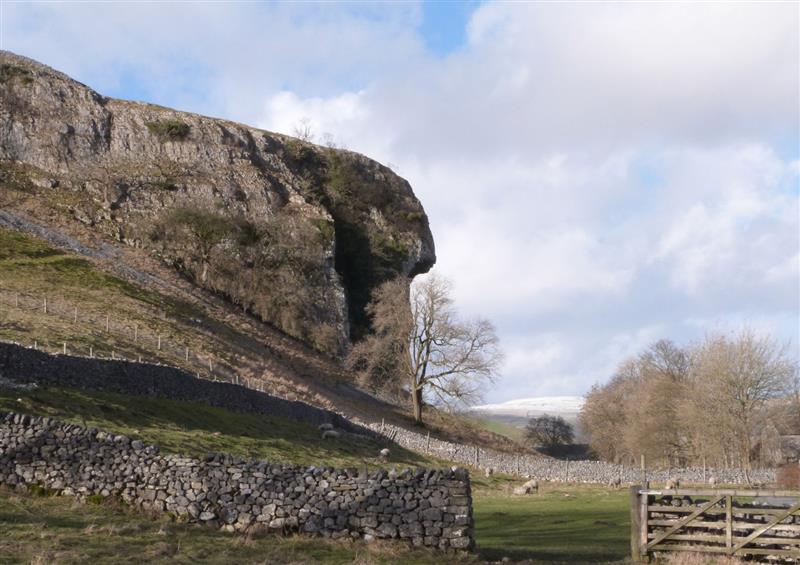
{"type": "Point", "coordinates": [49, 529]}
{"type": "Point", "coordinates": [576, 524]}
{"type": "Point", "coordinates": [561, 524]}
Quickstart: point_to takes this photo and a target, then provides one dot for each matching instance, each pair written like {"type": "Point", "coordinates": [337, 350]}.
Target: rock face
{"type": "Point", "coordinates": [295, 233]}
{"type": "Point", "coordinates": [423, 507]}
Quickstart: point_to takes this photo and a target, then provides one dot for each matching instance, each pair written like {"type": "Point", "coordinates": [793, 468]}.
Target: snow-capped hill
{"type": "Point", "coordinates": [555, 405]}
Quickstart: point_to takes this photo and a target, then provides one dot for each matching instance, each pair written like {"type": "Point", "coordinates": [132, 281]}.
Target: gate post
{"type": "Point", "coordinates": [638, 534]}
{"type": "Point", "coordinates": [636, 525]}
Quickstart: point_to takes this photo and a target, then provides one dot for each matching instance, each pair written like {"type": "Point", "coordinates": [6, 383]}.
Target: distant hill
{"type": "Point", "coordinates": [517, 412]}
{"type": "Point", "coordinates": [554, 405]}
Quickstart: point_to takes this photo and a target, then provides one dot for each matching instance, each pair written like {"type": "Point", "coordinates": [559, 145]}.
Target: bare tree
{"type": "Point", "coordinates": [549, 431]}
{"type": "Point", "coordinates": [303, 130]}
{"type": "Point", "coordinates": [794, 403]}
{"type": "Point", "coordinates": [604, 416]}
{"type": "Point", "coordinates": [426, 351]}
{"type": "Point", "coordinates": [724, 400]}
{"type": "Point", "coordinates": [734, 379]}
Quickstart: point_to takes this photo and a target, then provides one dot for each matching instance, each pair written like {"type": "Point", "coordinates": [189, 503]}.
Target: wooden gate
{"type": "Point", "coordinates": [726, 521]}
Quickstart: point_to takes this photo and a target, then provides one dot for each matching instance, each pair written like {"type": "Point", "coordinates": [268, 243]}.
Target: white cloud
{"type": "Point", "coordinates": [597, 175]}
{"type": "Point", "coordinates": [285, 111]}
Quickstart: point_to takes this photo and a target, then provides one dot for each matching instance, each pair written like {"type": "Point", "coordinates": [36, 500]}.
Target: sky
{"type": "Point", "coordinates": [597, 176]}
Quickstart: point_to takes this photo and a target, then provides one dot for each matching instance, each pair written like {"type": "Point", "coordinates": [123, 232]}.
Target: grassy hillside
{"type": "Point", "coordinates": [197, 429]}
{"type": "Point", "coordinates": [81, 296]}
{"type": "Point", "coordinates": [85, 290]}
{"type": "Point", "coordinates": [500, 428]}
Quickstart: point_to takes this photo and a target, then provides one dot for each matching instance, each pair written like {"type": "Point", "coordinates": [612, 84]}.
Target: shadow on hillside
{"type": "Point", "coordinates": [197, 429]}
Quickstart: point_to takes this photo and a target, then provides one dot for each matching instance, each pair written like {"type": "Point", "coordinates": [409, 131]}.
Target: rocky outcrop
{"type": "Point", "coordinates": [295, 233]}
{"type": "Point", "coordinates": [423, 507]}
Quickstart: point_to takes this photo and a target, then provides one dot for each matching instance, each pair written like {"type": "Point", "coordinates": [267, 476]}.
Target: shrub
{"type": "Point", "coordinates": [9, 72]}
{"type": "Point", "coordinates": [38, 490]}
{"type": "Point", "coordinates": [169, 130]}
{"type": "Point", "coordinates": [164, 184]}
{"type": "Point", "coordinates": [327, 232]}
{"type": "Point", "coordinates": [302, 155]}
{"type": "Point", "coordinates": [413, 217]}
{"type": "Point", "coordinates": [95, 499]}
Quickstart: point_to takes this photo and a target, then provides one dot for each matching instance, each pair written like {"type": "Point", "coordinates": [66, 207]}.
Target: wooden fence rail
{"type": "Point", "coordinates": [738, 522]}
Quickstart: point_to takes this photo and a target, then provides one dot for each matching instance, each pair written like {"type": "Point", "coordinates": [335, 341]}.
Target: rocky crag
{"type": "Point", "coordinates": [294, 233]}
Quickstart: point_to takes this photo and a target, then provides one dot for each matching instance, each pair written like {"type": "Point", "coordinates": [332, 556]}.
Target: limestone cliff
{"type": "Point", "coordinates": [295, 233]}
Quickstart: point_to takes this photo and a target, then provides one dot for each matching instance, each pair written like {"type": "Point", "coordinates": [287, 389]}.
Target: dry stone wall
{"type": "Point", "coordinates": [544, 468]}
{"type": "Point", "coordinates": [423, 507]}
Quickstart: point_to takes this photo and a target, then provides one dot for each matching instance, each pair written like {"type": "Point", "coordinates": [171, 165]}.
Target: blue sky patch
{"type": "Point", "coordinates": [444, 25]}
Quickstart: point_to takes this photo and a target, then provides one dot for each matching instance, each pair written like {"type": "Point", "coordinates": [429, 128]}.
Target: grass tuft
{"type": "Point", "coordinates": [169, 130]}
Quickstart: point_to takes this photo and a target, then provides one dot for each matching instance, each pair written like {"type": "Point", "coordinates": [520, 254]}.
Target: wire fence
{"type": "Point", "coordinates": [110, 335]}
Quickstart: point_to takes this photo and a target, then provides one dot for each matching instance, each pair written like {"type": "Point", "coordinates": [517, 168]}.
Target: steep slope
{"type": "Point", "coordinates": [294, 233]}
{"type": "Point", "coordinates": [117, 204]}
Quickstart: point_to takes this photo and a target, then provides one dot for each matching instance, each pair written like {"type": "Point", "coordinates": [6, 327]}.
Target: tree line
{"type": "Point", "coordinates": [724, 401]}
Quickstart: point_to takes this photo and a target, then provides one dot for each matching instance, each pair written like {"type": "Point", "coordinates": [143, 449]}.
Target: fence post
{"type": "Point", "coordinates": [705, 481]}
{"type": "Point", "coordinates": [135, 333]}
{"type": "Point", "coordinates": [16, 299]}
{"type": "Point", "coordinates": [644, 472]}
{"type": "Point", "coordinates": [428, 442]}
{"type": "Point", "coordinates": [75, 316]}
{"type": "Point", "coordinates": [35, 345]}
{"type": "Point", "coordinates": [108, 322]}
{"type": "Point", "coordinates": [517, 463]}
{"type": "Point", "coordinates": [566, 480]}
{"type": "Point", "coordinates": [112, 354]}
{"type": "Point", "coordinates": [64, 351]}
{"type": "Point", "coordinates": [91, 352]}
{"type": "Point", "coordinates": [477, 450]}
{"type": "Point", "coordinates": [159, 342]}
{"type": "Point", "coordinates": [187, 353]}
{"type": "Point", "coordinates": [45, 305]}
